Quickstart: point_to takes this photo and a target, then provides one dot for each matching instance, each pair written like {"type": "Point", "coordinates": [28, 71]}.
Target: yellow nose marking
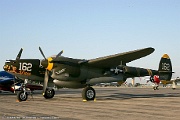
{"type": "Point", "coordinates": [50, 65]}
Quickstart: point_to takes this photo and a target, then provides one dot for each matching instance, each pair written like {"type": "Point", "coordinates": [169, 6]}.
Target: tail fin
{"type": "Point", "coordinates": [165, 68]}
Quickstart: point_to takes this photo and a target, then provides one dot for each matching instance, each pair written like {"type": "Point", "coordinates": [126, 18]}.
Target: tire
{"type": "Point", "coordinates": [157, 88]}
{"type": "Point", "coordinates": [88, 93]}
{"type": "Point", "coordinates": [154, 88]}
{"type": "Point", "coordinates": [22, 96]}
{"type": "Point", "coordinates": [49, 93]}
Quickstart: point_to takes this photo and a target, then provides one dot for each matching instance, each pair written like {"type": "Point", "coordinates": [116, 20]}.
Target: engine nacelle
{"type": "Point", "coordinates": [68, 84]}
{"type": "Point", "coordinates": [94, 81]}
{"type": "Point", "coordinates": [73, 71]}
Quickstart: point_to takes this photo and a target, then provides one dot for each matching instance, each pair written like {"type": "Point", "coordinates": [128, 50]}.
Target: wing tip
{"type": "Point", "coordinates": [151, 48]}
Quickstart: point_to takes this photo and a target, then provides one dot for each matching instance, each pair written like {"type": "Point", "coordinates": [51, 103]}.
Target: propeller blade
{"type": "Point", "coordinates": [19, 54]}
{"type": "Point", "coordinates": [46, 78]}
{"type": "Point", "coordinates": [59, 54]}
{"type": "Point", "coordinates": [42, 53]}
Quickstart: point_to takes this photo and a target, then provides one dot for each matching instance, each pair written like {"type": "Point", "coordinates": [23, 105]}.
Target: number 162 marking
{"type": "Point", "coordinates": [25, 66]}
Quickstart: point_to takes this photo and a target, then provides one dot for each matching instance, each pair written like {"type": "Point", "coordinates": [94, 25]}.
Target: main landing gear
{"type": "Point", "coordinates": [88, 93]}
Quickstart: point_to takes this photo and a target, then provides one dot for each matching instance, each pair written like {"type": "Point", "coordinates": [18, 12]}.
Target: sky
{"type": "Point", "coordinates": [88, 29]}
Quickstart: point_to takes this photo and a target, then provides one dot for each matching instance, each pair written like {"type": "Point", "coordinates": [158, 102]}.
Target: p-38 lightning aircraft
{"type": "Point", "coordinates": [80, 73]}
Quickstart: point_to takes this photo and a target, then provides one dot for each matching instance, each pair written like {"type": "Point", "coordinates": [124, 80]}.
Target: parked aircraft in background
{"type": "Point", "coordinates": [80, 73]}
{"type": "Point", "coordinates": [6, 81]}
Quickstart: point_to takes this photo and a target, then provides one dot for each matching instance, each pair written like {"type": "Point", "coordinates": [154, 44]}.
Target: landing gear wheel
{"type": "Point", "coordinates": [49, 93]}
{"type": "Point", "coordinates": [22, 96]}
{"type": "Point", "coordinates": [88, 93]}
{"type": "Point", "coordinates": [157, 88]}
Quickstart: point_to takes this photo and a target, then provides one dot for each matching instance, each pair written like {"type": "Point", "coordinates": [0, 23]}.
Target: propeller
{"type": "Point", "coordinates": [59, 54]}
{"type": "Point", "coordinates": [151, 79]}
{"type": "Point", "coordinates": [46, 75]}
{"type": "Point", "coordinates": [44, 63]}
{"type": "Point", "coordinates": [19, 54]}
{"type": "Point", "coordinates": [14, 84]}
{"type": "Point", "coordinates": [42, 53]}
{"type": "Point", "coordinates": [46, 78]}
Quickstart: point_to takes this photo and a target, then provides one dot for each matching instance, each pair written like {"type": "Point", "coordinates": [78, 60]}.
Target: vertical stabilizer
{"type": "Point", "coordinates": [165, 68]}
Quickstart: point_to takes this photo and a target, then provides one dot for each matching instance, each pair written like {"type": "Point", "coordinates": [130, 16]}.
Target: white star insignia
{"type": "Point", "coordinates": [116, 70]}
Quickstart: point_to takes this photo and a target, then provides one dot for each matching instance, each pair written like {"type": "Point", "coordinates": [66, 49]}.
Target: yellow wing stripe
{"type": "Point", "coordinates": [149, 72]}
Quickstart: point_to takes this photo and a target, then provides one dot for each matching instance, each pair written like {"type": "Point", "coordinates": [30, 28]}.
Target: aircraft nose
{"type": "Point", "coordinates": [6, 65]}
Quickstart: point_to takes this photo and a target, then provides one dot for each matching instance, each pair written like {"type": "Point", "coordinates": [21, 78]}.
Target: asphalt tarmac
{"type": "Point", "coordinates": [112, 103]}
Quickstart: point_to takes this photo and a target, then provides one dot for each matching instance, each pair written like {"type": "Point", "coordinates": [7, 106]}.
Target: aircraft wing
{"type": "Point", "coordinates": [6, 81]}
{"type": "Point", "coordinates": [121, 58]}
{"type": "Point", "coordinates": [5, 74]}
